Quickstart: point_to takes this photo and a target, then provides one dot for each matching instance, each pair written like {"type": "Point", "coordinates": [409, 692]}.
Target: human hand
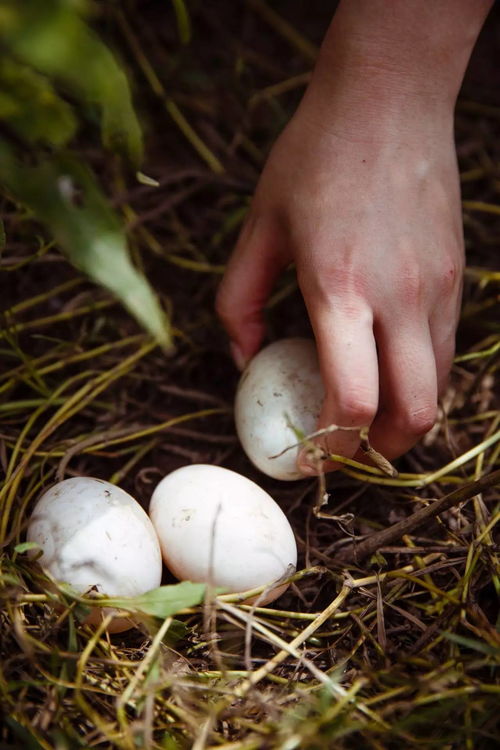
{"type": "Point", "coordinates": [374, 228]}
{"type": "Point", "coordinates": [361, 191]}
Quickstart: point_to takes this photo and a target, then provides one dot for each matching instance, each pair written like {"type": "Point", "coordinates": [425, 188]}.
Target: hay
{"type": "Point", "coordinates": [396, 647]}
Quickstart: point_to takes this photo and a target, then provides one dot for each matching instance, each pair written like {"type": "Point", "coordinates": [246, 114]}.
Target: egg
{"type": "Point", "coordinates": [93, 534]}
{"type": "Point", "coordinates": [281, 387]}
{"type": "Point", "coordinates": [216, 526]}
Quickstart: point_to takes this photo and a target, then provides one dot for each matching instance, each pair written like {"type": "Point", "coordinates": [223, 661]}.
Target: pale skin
{"type": "Point", "coordinates": [361, 192]}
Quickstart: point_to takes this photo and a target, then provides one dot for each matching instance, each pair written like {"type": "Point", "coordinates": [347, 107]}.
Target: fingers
{"type": "Point", "coordinates": [443, 328]}
{"type": "Point", "coordinates": [408, 385]}
{"type": "Point", "coordinates": [348, 362]}
{"type": "Point", "coordinates": [253, 268]}
{"type": "Point", "coordinates": [444, 351]}
{"type": "Point", "coordinates": [415, 358]}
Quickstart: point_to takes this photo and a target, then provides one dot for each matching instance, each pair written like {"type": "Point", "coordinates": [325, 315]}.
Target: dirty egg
{"type": "Point", "coordinates": [216, 526]}
{"type": "Point", "coordinates": [94, 534]}
{"type": "Point", "coordinates": [280, 387]}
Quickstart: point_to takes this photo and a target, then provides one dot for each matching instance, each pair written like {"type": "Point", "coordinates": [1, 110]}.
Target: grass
{"type": "Point", "coordinates": [390, 644]}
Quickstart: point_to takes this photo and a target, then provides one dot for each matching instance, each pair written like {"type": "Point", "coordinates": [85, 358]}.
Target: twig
{"type": "Point", "coordinates": [299, 640]}
{"type": "Point", "coordinates": [358, 552]}
{"type": "Point", "coordinates": [317, 454]}
{"type": "Point", "coordinates": [307, 49]}
{"type": "Point", "coordinates": [173, 110]}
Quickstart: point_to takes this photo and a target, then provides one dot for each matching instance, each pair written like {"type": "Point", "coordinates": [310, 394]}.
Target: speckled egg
{"type": "Point", "coordinates": [216, 526]}
{"type": "Point", "coordinates": [93, 534]}
{"type": "Point", "coordinates": [281, 387]}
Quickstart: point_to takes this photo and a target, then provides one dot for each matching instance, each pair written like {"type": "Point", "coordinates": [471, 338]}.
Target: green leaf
{"type": "Point", "coordinates": [25, 546]}
{"type": "Point", "coordinates": [168, 742]}
{"type": "Point", "coordinates": [176, 632]}
{"type": "Point", "coordinates": [145, 180]}
{"type": "Point", "coordinates": [183, 21]}
{"type": "Point", "coordinates": [30, 106]}
{"type": "Point", "coordinates": [64, 195]}
{"type": "Point", "coordinates": [164, 601]}
{"type": "Point", "coordinates": [29, 741]}
{"type": "Point", "coordinates": [482, 647]}
{"type": "Point", "coordinates": [53, 38]}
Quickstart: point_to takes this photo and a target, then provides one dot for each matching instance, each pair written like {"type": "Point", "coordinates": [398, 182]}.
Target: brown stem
{"type": "Point", "coordinates": [376, 458]}
{"type": "Point", "coordinates": [358, 552]}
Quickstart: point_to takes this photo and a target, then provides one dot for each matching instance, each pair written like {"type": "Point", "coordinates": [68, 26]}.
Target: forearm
{"type": "Point", "coordinates": [395, 59]}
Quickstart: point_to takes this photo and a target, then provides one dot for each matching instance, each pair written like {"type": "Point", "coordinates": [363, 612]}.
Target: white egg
{"type": "Point", "coordinates": [281, 387]}
{"type": "Point", "coordinates": [93, 534]}
{"type": "Point", "coordinates": [216, 526]}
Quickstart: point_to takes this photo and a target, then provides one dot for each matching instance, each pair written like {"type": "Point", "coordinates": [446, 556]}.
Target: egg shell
{"type": "Point", "coordinates": [94, 534]}
{"type": "Point", "coordinates": [281, 386]}
{"type": "Point", "coordinates": [216, 526]}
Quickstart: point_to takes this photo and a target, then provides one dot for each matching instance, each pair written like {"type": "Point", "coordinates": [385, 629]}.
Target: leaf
{"type": "Point", "coordinates": [25, 546]}
{"type": "Point", "coordinates": [183, 20]}
{"type": "Point", "coordinates": [483, 648]}
{"type": "Point", "coordinates": [53, 38]}
{"type": "Point", "coordinates": [176, 632]}
{"type": "Point", "coordinates": [168, 742]}
{"type": "Point", "coordinates": [30, 106]}
{"type": "Point", "coordinates": [143, 179]}
{"type": "Point", "coordinates": [29, 741]}
{"type": "Point", "coordinates": [164, 601]}
{"type": "Point", "coordinates": [64, 195]}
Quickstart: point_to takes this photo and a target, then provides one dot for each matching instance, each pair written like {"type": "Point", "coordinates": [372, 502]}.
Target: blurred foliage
{"type": "Point", "coordinates": [30, 106]}
{"type": "Point", "coordinates": [55, 73]}
{"type": "Point", "coordinates": [183, 21]}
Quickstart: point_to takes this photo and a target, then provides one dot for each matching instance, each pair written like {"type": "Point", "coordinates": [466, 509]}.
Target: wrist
{"type": "Point", "coordinates": [391, 64]}
{"type": "Point", "coordinates": [364, 101]}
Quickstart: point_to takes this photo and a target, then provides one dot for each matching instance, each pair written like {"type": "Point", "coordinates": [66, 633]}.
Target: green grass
{"type": "Point", "coordinates": [398, 649]}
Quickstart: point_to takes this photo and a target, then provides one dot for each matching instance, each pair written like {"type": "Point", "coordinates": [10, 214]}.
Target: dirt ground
{"type": "Point", "coordinates": [236, 84]}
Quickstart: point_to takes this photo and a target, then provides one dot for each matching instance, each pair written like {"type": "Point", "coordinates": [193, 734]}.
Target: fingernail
{"type": "Point", "coordinates": [239, 359]}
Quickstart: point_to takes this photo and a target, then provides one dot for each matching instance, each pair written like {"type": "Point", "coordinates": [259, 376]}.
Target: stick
{"type": "Point", "coordinates": [358, 552]}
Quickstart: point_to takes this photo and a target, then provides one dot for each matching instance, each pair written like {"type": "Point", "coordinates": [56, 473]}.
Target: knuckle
{"type": "Point", "coordinates": [417, 421]}
{"type": "Point", "coordinates": [334, 284]}
{"type": "Point", "coordinates": [450, 276]}
{"type": "Point", "coordinates": [413, 285]}
{"type": "Point", "coordinates": [355, 410]}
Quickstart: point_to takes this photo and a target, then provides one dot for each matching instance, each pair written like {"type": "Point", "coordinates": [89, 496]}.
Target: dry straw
{"type": "Point", "coordinates": [387, 637]}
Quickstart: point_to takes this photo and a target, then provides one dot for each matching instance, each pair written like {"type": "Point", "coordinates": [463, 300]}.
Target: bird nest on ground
{"type": "Point", "coordinates": [387, 634]}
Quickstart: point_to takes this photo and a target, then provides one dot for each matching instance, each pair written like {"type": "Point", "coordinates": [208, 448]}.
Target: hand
{"type": "Point", "coordinates": [375, 233]}
{"type": "Point", "coordinates": [361, 191]}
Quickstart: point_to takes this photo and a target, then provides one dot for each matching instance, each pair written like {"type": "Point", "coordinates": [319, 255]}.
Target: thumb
{"type": "Point", "coordinates": [252, 270]}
